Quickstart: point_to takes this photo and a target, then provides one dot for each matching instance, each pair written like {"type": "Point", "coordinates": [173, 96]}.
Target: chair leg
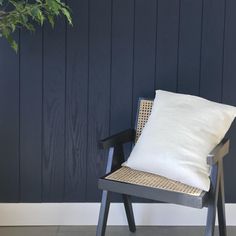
{"type": "Point", "coordinates": [211, 216]}
{"type": "Point", "coordinates": [212, 204]}
{"type": "Point", "coordinates": [103, 215]}
{"type": "Point", "coordinates": [129, 212]}
{"type": "Point", "coordinates": [221, 206]}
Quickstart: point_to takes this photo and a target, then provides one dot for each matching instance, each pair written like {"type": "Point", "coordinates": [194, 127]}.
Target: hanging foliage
{"type": "Point", "coordinates": [16, 14]}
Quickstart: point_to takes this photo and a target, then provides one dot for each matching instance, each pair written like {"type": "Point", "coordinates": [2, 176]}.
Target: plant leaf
{"type": "Point", "coordinates": [24, 13]}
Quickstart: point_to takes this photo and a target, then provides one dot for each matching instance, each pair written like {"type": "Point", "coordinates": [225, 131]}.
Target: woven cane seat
{"type": "Point", "coordinates": [130, 176]}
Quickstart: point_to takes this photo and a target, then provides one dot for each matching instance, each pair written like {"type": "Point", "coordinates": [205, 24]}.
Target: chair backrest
{"type": "Point", "coordinates": [143, 112]}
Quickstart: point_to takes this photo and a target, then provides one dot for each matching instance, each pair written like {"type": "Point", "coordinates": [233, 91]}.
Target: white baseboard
{"type": "Point", "coordinates": [87, 214]}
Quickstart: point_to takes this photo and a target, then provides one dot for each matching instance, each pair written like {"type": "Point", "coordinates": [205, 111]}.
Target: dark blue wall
{"type": "Point", "coordinates": [69, 87]}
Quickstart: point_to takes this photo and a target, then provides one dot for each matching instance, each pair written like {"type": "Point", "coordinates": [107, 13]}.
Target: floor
{"type": "Point", "coordinates": [111, 231]}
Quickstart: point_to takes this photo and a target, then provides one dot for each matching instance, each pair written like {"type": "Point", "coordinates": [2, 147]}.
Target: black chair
{"type": "Point", "coordinates": [128, 182]}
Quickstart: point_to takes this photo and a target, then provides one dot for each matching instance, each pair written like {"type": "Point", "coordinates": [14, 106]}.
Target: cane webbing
{"type": "Point", "coordinates": [131, 176]}
{"type": "Point", "coordinates": [145, 108]}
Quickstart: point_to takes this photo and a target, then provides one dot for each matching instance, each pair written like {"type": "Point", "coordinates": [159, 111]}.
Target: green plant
{"type": "Point", "coordinates": [16, 14]}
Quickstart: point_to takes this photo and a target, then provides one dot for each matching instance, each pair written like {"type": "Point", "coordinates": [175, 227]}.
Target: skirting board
{"type": "Point", "coordinates": [87, 214]}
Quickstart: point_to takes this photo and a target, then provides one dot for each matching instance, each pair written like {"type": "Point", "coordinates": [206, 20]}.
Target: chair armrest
{"type": "Point", "coordinates": [218, 152]}
{"type": "Point", "coordinates": [120, 138]}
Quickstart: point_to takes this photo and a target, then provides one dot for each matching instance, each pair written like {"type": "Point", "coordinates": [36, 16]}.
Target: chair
{"type": "Point", "coordinates": [127, 182]}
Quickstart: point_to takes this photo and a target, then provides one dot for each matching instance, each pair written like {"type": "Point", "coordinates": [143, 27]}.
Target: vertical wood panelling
{"type": "Point", "coordinates": [54, 112]}
{"type": "Point", "coordinates": [144, 50]}
{"type": "Point", "coordinates": [99, 91]}
{"type": "Point", "coordinates": [229, 75]}
{"type": "Point", "coordinates": [30, 116]}
{"type": "Point", "coordinates": [167, 44]}
{"type": "Point", "coordinates": [189, 46]}
{"type": "Point", "coordinates": [122, 61]}
{"type": "Point", "coordinates": [76, 103]}
{"type": "Point", "coordinates": [9, 123]}
{"type": "Point", "coordinates": [229, 95]}
{"type": "Point", "coordinates": [212, 49]}
{"type": "Point", "coordinates": [71, 86]}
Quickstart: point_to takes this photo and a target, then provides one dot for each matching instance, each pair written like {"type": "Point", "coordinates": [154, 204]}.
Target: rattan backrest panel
{"type": "Point", "coordinates": [144, 111]}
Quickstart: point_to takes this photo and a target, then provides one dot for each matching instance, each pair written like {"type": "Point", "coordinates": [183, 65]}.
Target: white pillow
{"type": "Point", "coordinates": [179, 134]}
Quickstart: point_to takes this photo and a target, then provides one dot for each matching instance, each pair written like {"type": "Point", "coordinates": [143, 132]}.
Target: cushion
{"type": "Point", "coordinates": [179, 134]}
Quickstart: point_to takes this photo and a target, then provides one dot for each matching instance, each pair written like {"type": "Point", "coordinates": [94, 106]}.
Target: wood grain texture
{"type": "Point", "coordinates": [229, 72]}
{"type": "Point", "coordinates": [53, 113]}
{"type": "Point", "coordinates": [121, 66]}
{"type": "Point", "coordinates": [76, 103]}
{"type": "Point", "coordinates": [189, 46]}
{"type": "Point", "coordinates": [167, 45]}
{"type": "Point", "coordinates": [99, 91]}
{"type": "Point", "coordinates": [144, 50]}
{"type": "Point", "coordinates": [212, 49]}
{"type": "Point", "coordinates": [9, 123]}
{"type": "Point", "coordinates": [229, 95]}
{"type": "Point", "coordinates": [121, 69]}
{"type": "Point", "coordinates": [30, 116]}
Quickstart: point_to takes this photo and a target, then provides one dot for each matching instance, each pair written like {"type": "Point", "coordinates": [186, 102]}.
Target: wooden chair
{"type": "Point", "coordinates": [127, 182]}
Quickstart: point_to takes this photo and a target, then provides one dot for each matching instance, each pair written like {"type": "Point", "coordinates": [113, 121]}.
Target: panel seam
{"type": "Point", "coordinates": [178, 48]}
{"type": "Point", "coordinates": [201, 50]}
{"type": "Point", "coordinates": [133, 66]}
{"type": "Point", "coordinates": [223, 52]}
{"type": "Point", "coordinates": [65, 109]}
{"type": "Point", "coordinates": [156, 50]}
{"type": "Point", "coordinates": [88, 100]}
{"type": "Point", "coordinates": [111, 62]}
{"type": "Point", "coordinates": [42, 118]}
{"type": "Point", "coordinates": [19, 122]}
